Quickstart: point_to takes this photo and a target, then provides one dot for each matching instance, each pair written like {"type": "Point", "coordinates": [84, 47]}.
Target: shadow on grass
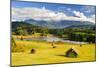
{"type": "Point", "coordinates": [62, 55]}
{"type": "Point", "coordinates": [65, 56]}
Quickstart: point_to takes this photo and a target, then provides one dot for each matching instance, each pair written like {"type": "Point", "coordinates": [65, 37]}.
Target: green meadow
{"type": "Point", "coordinates": [45, 54]}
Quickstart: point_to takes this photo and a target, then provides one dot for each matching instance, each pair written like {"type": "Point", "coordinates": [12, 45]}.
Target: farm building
{"type": "Point", "coordinates": [71, 53]}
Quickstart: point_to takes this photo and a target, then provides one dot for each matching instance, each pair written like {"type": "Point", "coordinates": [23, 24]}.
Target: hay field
{"type": "Point", "coordinates": [45, 54]}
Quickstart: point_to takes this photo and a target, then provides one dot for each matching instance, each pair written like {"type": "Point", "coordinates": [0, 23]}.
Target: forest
{"type": "Point", "coordinates": [80, 33]}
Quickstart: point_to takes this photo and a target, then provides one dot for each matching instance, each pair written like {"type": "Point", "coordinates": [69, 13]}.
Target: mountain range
{"type": "Point", "coordinates": [58, 24]}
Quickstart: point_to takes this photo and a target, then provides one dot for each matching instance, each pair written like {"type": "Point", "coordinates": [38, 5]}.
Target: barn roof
{"type": "Point", "coordinates": [72, 50]}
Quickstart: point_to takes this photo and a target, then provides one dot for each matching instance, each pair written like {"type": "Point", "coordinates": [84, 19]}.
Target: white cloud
{"type": "Point", "coordinates": [92, 18]}
{"type": "Point", "coordinates": [83, 17]}
{"type": "Point", "coordinates": [45, 14]}
{"type": "Point", "coordinates": [79, 14]}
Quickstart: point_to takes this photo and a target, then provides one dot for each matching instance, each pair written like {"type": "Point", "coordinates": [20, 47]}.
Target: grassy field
{"type": "Point", "coordinates": [45, 54]}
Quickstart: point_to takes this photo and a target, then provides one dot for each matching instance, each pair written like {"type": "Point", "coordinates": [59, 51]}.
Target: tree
{"type": "Point", "coordinates": [44, 32]}
{"type": "Point", "coordinates": [13, 42]}
{"type": "Point", "coordinates": [20, 31]}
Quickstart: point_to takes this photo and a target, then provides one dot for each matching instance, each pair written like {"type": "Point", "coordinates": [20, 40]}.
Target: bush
{"type": "Point", "coordinates": [85, 37]}
{"type": "Point", "coordinates": [18, 49]}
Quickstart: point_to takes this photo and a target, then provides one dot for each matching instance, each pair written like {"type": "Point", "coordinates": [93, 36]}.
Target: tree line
{"type": "Point", "coordinates": [75, 34]}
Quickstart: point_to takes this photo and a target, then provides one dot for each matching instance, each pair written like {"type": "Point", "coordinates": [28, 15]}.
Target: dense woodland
{"type": "Point", "coordinates": [83, 33]}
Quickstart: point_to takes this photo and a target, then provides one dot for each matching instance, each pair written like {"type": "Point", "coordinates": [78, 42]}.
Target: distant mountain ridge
{"type": "Point", "coordinates": [57, 24]}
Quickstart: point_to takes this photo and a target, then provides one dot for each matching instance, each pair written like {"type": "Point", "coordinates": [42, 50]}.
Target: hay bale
{"type": "Point", "coordinates": [54, 47]}
{"type": "Point", "coordinates": [32, 51]}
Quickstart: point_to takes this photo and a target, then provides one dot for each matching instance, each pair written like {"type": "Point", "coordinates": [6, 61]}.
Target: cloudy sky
{"type": "Point", "coordinates": [55, 12]}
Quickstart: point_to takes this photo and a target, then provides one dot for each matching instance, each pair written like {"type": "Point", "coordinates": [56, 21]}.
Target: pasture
{"type": "Point", "coordinates": [45, 54]}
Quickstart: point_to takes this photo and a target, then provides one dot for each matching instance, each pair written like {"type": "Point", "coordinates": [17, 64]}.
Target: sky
{"type": "Point", "coordinates": [22, 10]}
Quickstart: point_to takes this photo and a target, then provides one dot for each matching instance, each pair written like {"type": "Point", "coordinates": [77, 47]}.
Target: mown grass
{"type": "Point", "coordinates": [45, 54]}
